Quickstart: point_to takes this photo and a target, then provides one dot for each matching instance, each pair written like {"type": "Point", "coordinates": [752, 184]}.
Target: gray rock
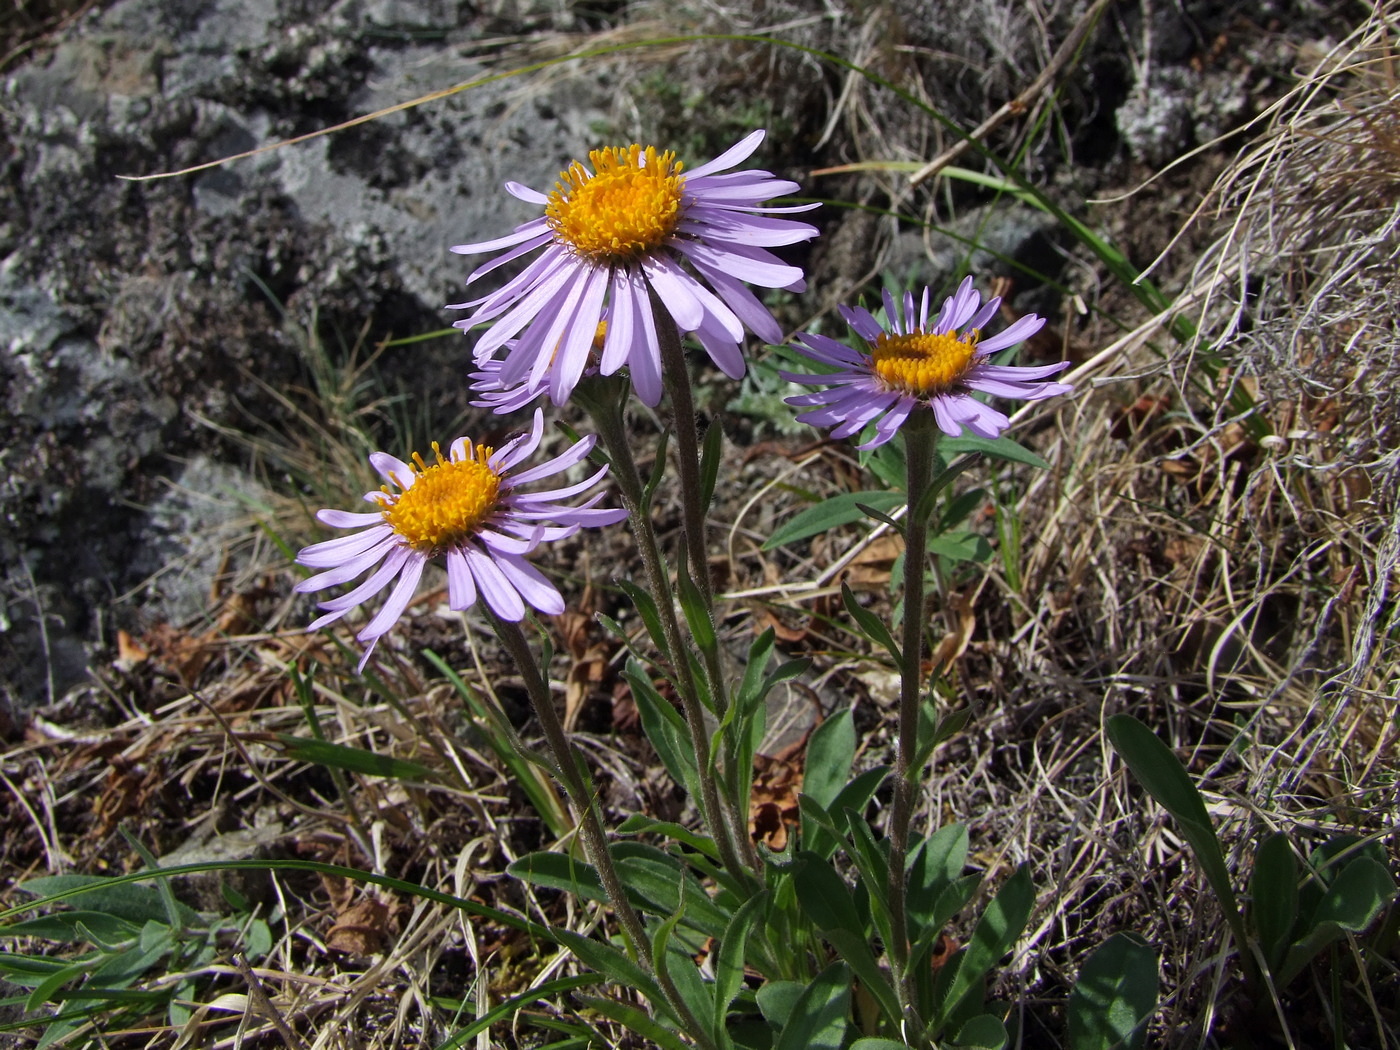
{"type": "Point", "coordinates": [134, 313]}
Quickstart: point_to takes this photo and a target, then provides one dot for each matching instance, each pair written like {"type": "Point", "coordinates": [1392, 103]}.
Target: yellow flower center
{"type": "Point", "coordinates": [923, 364]}
{"type": "Point", "coordinates": [626, 208]}
{"type": "Point", "coordinates": [448, 500]}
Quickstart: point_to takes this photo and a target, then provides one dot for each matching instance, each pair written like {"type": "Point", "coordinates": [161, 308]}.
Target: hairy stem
{"type": "Point", "coordinates": [676, 376]}
{"type": "Point", "coordinates": [574, 776]}
{"type": "Point", "coordinates": [606, 413]}
{"type": "Point", "coordinates": [919, 442]}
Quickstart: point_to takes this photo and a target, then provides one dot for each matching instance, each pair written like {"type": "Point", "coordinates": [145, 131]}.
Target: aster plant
{"type": "Point", "coordinates": [629, 227]}
{"type": "Point", "coordinates": [467, 508]}
{"type": "Point", "coordinates": [912, 365]}
{"type": "Point", "coordinates": [921, 378]}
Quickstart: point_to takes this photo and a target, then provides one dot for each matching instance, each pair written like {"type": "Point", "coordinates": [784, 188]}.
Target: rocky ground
{"type": "Point", "coordinates": [193, 364]}
{"type": "Point", "coordinates": [143, 322]}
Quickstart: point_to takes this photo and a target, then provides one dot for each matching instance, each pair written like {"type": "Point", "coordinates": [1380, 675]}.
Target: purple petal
{"type": "Point", "coordinates": [493, 586]}
{"type": "Point", "coordinates": [329, 553]}
{"type": "Point", "coordinates": [988, 311]}
{"type": "Point", "coordinates": [393, 469]}
{"type": "Point", "coordinates": [740, 151]}
{"type": "Point", "coordinates": [531, 584]}
{"type": "Point", "coordinates": [461, 591]}
{"type": "Point", "coordinates": [1017, 373]}
{"type": "Point", "coordinates": [518, 448]}
{"type": "Point", "coordinates": [646, 361]}
{"type": "Point", "coordinates": [522, 192]}
{"type": "Point", "coordinates": [628, 291]}
{"type": "Point", "coordinates": [982, 420]}
{"type": "Point", "coordinates": [744, 304]}
{"type": "Point", "coordinates": [522, 249]}
{"type": "Point", "coordinates": [674, 291]}
{"type": "Point", "coordinates": [754, 265]}
{"type": "Point", "coordinates": [521, 233]}
{"type": "Point", "coordinates": [346, 571]}
{"type": "Point", "coordinates": [1022, 329]}
{"type": "Point", "coordinates": [397, 601]}
{"type": "Point", "coordinates": [373, 584]}
{"type": "Point", "coordinates": [345, 519]}
{"type": "Point", "coordinates": [890, 422]}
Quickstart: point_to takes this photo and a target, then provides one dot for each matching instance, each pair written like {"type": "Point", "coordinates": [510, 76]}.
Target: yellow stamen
{"type": "Point", "coordinates": [448, 501]}
{"type": "Point", "coordinates": [626, 208]}
{"type": "Point", "coordinates": [921, 363]}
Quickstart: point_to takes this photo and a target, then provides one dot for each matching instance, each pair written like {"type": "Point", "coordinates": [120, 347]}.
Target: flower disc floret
{"type": "Point", "coordinates": [469, 509]}
{"type": "Point", "coordinates": [447, 501]}
{"type": "Point", "coordinates": [619, 233]}
{"type": "Point", "coordinates": [922, 363]}
{"type": "Point", "coordinates": [627, 206]}
{"type": "Point", "coordinates": [910, 363]}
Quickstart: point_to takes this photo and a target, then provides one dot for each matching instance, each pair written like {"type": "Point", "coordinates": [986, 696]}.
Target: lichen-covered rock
{"type": "Point", "coordinates": [138, 318]}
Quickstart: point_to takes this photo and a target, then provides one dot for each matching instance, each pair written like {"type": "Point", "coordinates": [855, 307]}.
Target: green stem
{"type": "Point", "coordinates": [919, 437]}
{"type": "Point", "coordinates": [605, 409]}
{"type": "Point", "coordinates": [572, 773]}
{"type": "Point", "coordinates": [676, 375]}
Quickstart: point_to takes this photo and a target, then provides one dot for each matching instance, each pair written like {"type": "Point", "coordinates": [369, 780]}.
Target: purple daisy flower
{"type": "Point", "coordinates": [466, 507]}
{"type": "Point", "coordinates": [502, 398]}
{"type": "Point", "coordinates": [939, 366]}
{"type": "Point", "coordinates": [631, 226]}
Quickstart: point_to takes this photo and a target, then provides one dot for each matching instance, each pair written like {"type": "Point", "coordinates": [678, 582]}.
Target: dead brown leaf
{"type": "Point", "coordinates": [361, 929]}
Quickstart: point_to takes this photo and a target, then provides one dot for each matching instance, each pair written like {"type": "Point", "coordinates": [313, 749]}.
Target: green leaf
{"type": "Point", "coordinates": [873, 867]}
{"type": "Point", "coordinates": [44, 990]}
{"type": "Point", "coordinates": [855, 951]}
{"type": "Point", "coordinates": [1114, 996]}
{"type": "Point", "coordinates": [105, 929]}
{"type": "Point", "coordinates": [84, 887]}
{"type": "Point", "coordinates": [872, 1043]}
{"type": "Point", "coordinates": [951, 900]}
{"type": "Point", "coordinates": [115, 896]}
{"type": "Point", "coordinates": [729, 959]}
{"type": "Point", "coordinates": [983, 1032]}
{"type": "Point", "coordinates": [617, 966]}
{"type": "Point", "coordinates": [777, 999]}
{"type": "Point", "coordinates": [871, 625]}
{"type": "Point", "coordinates": [824, 896]}
{"type": "Point", "coordinates": [960, 506]}
{"type": "Point", "coordinates": [1003, 448]}
{"type": "Point", "coordinates": [694, 608]}
{"type": "Point", "coordinates": [659, 880]}
{"type": "Point", "coordinates": [685, 979]}
{"type": "Point", "coordinates": [960, 546]}
{"type": "Point", "coordinates": [509, 1007]}
{"type": "Point", "coordinates": [28, 970]}
{"type": "Point", "coordinates": [1351, 903]}
{"type": "Point", "coordinates": [818, 1019]}
{"type": "Point", "coordinates": [658, 470]}
{"type": "Point", "coordinates": [352, 759]}
{"type": "Point", "coordinates": [820, 836]}
{"type": "Point", "coordinates": [637, 1022]}
{"type": "Point", "coordinates": [645, 605]}
{"type": "Point", "coordinates": [558, 871]}
{"type": "Point", "coordinates": [750, 691]}
{"type": "Point", "coordinates": [830, 513]}
{"type": "Point", "coordinates": [641, 824]}
{"type": "Point", "coordinates": [830, 752]}
{"type": "Point", "coordinates": [709, 462]}
{"type": "Point", "coordinates": [1166, 780]}
{"type": "Point", "coordinates": [665, 729]}
{"type": "Point", "coordinates": [937, 863]}
{"type": "Point", "coordinates": [1273, 898]}
{"type": "Point", "coordinates": [994, 935]}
